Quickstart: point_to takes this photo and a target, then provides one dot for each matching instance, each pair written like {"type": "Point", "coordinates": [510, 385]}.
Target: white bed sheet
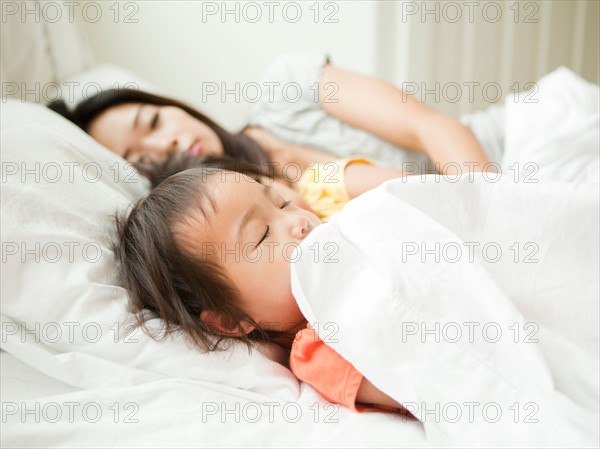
{"type": "Point", "coordinates": [177, 413]}
{"type": "Point", "coordinates": [20, 382]}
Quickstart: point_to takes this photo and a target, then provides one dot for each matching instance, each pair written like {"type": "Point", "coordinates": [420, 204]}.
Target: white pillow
{"type": "Point", "coordinates": [42, 44]}
{"type": "Point", "coordinates": [59, 190]}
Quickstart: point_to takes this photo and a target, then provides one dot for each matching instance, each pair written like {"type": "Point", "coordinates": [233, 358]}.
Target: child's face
{"type": "Point", "coordinates": [252, 234]}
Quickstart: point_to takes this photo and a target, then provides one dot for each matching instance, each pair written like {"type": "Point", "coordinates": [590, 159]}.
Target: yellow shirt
{"type": "Point", "coordinates": [323, 186]}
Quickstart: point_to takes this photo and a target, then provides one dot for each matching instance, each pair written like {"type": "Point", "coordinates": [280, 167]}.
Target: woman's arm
{"type": "Point", "coordinates": [386, 111]}
{"type": "Point", "coordinates": [362, 177]}
{"type": "Point", "coordinates": [282, 153]}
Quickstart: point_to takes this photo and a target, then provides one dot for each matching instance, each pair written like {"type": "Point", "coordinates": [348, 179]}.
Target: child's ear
{"type": "Point", "coordinates": [216, 321]}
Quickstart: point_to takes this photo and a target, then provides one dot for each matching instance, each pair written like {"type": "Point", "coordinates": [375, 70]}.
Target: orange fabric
{"type": "Point", "coordinates": [336, 379]}
{"type": "Point", "coordinates": [313, 362]}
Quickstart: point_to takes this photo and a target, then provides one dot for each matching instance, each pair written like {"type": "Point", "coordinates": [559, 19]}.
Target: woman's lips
{"type": "Point", "coordinates": [195, 148]}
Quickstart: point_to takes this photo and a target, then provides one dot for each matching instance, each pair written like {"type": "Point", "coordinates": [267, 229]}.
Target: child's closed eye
{"type": "Point", "coordinates": [285, 204]}
{"type": "Point", "coordinates": [264, 237]}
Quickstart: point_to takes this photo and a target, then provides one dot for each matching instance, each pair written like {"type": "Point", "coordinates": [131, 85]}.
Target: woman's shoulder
{"type": "Point", "coordinates": [289, 85]}
{"type": "Point", "coordinates": [301, 68]}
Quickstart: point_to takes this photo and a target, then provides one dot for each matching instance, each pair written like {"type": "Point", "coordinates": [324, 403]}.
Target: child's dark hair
{"type": "Point", "coordinates": [159, 171]}
{"type": "Point", "coordinates": [161, 275]}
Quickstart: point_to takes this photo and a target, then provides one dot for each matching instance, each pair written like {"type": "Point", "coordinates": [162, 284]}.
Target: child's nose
{"type": "Point", "coordinates": [302, 228]}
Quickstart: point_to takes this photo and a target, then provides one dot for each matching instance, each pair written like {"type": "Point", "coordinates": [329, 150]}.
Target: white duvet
{"type": "Point", "coordinates": [165, 394]}
{"type": "Point", "coordinates": [474, 301]}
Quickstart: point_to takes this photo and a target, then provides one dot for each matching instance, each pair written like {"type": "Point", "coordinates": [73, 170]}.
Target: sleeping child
{"type": "Point", "coordinates": [209, 250]}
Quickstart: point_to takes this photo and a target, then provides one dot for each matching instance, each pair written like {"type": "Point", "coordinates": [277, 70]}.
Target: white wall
{"type": "Point", "coordinates": [175, 49]}
{"type": "Point", "coordinates": [178, 46]}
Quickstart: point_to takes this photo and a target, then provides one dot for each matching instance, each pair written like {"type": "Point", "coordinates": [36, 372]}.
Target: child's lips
{"type": "Point", "coordinates": [195, 148]}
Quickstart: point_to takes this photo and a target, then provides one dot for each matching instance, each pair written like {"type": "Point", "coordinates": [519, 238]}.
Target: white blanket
{"type": "Point", "coordinates": [473, 301]}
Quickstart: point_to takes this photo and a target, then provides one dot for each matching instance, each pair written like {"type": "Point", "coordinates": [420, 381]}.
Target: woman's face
{"type": "Point", "coordinates": [141, 130]}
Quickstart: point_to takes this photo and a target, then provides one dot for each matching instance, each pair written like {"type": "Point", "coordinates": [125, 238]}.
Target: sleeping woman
{"type": "Point", "coordinates": [338, 115]}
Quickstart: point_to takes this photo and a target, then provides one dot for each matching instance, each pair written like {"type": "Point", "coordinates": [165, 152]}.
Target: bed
{"type": "Point", "coordinates": [76, 372]}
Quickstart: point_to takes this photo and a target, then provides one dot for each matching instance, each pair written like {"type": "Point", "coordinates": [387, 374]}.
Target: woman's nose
{"type": "Point", "coordinates": [162, 146]}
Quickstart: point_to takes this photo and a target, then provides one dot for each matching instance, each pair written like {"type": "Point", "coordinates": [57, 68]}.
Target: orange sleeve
{"type": "Point", "coordinates": [315, 363]}
{"type": "Point", "coordinates": [336, 379]}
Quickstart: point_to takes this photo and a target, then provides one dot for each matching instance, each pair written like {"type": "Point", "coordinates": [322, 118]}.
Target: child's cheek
{"type": "Point", "coordinates": [288, 251]}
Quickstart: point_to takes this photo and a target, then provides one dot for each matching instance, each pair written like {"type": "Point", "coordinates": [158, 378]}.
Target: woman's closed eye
{"type": "Point", "coordinates": [266, 234]}
{"type": "Point", "coordinates": [154, 121]}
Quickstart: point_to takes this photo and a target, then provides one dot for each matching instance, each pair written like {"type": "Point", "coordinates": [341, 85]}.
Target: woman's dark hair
{"type": "Point", "coordinates": [162, 275]}
{"type": "Point", "coordinates": [238, 146]}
